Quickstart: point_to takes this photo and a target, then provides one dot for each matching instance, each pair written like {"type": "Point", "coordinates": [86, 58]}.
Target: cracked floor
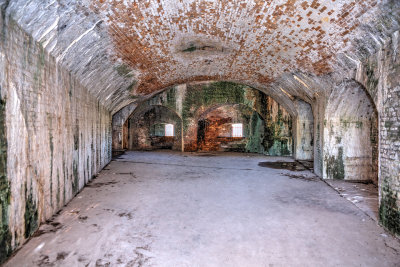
{"type": "Point", "coordinates": [207, 209]}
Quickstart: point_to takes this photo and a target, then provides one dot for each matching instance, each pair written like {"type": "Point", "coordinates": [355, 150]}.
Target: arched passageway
{"type": "Point", "coordinates": [233, 127]}
{"type": "Point", "coordinates": [154, 127]}
{"type": "Point", "coordinates": [351, 135]}
{"type": "Point", "coordinates": [267, 126]}
{"type": "Point", "coordinates": [71, 73]}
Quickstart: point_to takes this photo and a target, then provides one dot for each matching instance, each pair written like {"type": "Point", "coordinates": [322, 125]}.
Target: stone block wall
{"type": "Point", "coordinates": [54, 137]}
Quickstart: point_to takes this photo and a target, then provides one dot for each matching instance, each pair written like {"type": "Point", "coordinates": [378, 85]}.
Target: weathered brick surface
{"type": "Point", "coordinates": [249, 41]}
{"type": "Point", "coordinates": [143, 136]}
{"type": "Point", "coordinates": [267, 125]}
{"type": "Point", "coordinates": [58, 135]}
{"type": "Point", "coordinates": [379, 73]}
{"type": "Point", "coordinates": [390, 143]}
{"type": "Point", "coordinates": [122, 48]}
{"type": "Point", "coordinates": [384, 67]}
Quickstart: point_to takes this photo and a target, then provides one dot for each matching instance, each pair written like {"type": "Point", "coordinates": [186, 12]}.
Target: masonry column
{"type": "Point", "coordinates": [303, 131]}
{"type": "Point", "coordinates": [118, 121]}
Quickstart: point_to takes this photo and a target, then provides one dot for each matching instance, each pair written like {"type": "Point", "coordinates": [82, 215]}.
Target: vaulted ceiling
{"type": "Point", "coordinates": [122, 50]}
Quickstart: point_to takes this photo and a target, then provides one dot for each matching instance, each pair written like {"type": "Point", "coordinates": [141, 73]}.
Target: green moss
{"type": "Point", "coordinates": [31, 213]}
{"type": "Point", "coordinates": [5, 194]}
{"type": "Point", "coordinates": [123, 70]}
{"type": "Point", "coordinates": [75, 180]}
{"type": "Point", "coordinates": [279, 147]}
{"type": "Point", "coordinates": [285, 150]}
{"type": "Point", "coordinates": [5, 243]}
{"type": "Point", "coordinates": [372, 82]}
{"type": "Point", "coordinates": [171, 98]}
{"type": "Point", "coordinates": [70, 86]}
{"type": "Point", "coordinates": [275, 143]}
{"type": "Point", "coordinates": [65, 174]}
{"type": "Point", "coordinates": [389, 211]}
{"type": "Point", "coordinates": [223, 92]}
{"type": "Point", "coordinates": [388, 124]}
{"type": "Point", "coordinates": [265, 131]}
{"type": "Point", "coordinates": [209, 94]}
{"type": "Point", "coordinates": [191, 48]}
{"type": "Point", "coordinates": [345, 123]}
{"type": "Point", "coordinates": [131, 86]}
{"type": "Point", "coordinates": [76, 136]}
{"type": "Point", "coordinates": [87, 169]}
{"type": "Point", "coordinates": [58, 188]}
{"type": "Point", "coordinates": [335, 166]}
{"type": "Point", "coordinates": [338, 139]}
{"type": "Point", "coordinates": [254, 143]}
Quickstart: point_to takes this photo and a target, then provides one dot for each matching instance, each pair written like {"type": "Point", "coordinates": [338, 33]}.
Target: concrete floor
{"type": "Point", "coordinates": [364, 196]}
{"type": "Point", "coordinates": [192, 209]}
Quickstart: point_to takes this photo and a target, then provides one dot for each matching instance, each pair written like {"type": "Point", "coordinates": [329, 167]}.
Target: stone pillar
{"type": "Point", "coordinates": [303, 128]}
{"type": "Point", "coordinates": [319, 111]}
{"type": "Point", "coordinates": [118, 121]}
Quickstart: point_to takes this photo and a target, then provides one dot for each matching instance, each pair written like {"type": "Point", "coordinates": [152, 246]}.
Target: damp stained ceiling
{"type": "Point", "coordinates": [123, 51]}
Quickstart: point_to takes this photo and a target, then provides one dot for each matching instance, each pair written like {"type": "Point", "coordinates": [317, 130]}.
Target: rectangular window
{"type": "Point", "coordinates": [237, 130]}
{"type": "Point", "coordinates": [169, 130]}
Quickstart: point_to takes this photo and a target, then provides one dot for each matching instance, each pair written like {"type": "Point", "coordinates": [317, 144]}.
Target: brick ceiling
{"type": "Point", "coordinates": [124, 49]}
{"type": "Point", "coordinates": [175, 41]}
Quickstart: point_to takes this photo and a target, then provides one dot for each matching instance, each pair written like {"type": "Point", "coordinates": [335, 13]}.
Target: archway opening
{"type": "Point", "coordinates": [230, 128]}
{"type": "Point", "coordinates": [208, 111]}
{"type": "Point", "coordinates": [350, 136]}
{"type": "Point", "coordinates": [153, 127]}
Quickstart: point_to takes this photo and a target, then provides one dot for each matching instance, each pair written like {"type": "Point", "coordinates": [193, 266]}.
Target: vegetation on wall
{"type": "Point", "coordinates": [31, 213]}
{"type": "Point", "coordinates": [5, 194]}
{"type": "Point", "coordinates": [206, 95]}
{"type": "Point", "coordinates": [147, 129]}
{"type": "Point", "coordinates": [256, 134]}
{"type": "Point", "coordinates": [269, 129]}
{"type": "Point", "coordinates": [335, 165]}
{"type": "Point", "coordinates": [389, 211]}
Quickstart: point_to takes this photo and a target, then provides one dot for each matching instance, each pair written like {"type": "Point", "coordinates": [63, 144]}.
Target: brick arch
{"type": "Point", "coordinates": [141, 139]}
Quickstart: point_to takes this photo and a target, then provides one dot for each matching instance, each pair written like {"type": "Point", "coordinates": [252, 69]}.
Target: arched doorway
{"type": "Point", "coordinates": [267, 128]}
{"type": "Point", "coordinates": [153, 127]}
{"type": "Point", "coordinates": [350, 135]}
